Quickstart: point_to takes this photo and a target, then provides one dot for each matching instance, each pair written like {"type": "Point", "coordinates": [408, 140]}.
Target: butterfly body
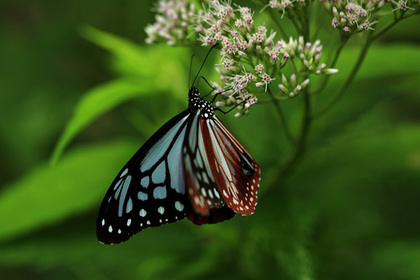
{"type": "Point", "coordinates": [191, 167]}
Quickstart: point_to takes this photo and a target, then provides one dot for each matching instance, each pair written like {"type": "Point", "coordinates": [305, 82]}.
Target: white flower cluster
{"type": "Point", "coordinates": [283, 5]}
{"type": "Point", "coordinates": [353, 16]}
{"type": "Point", "coordinates": [173, 22]}
{"type": "Point", "coordinates": [251, 58]}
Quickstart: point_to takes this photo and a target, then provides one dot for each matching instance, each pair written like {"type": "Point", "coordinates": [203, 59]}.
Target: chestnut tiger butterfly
{"type": "Point", "coordinates": [191, 167]}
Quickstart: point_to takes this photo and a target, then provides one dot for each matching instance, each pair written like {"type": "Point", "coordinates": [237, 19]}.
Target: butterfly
{"type": "Point", "coordinates": [191, 167]}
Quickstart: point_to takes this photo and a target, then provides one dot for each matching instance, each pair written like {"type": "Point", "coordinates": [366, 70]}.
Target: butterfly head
{"type": "Point", "coordinates": [197, 103]}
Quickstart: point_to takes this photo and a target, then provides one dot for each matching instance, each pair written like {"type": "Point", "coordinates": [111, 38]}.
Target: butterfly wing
{"type": "Point", "coordinates": [150, 189]}
{"type": "Point", "coordinates": [236, 173]}
{"type": "Point", "coordinates": [203, 193]}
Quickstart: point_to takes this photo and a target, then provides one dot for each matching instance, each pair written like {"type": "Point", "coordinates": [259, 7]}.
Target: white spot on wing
{"type": "Point", "coordinates": [142, 213]}
{"type": "Point", "coordinates": [161, 210]}
{"type": "Point", "coordinates": [179, 206]}
{"type": "Point", "coordinates": [224, 193]}
{"type": "Point", "coordinates": [159, 192]}
{"type": "Point", "coordinates": [203, 192]}
{"type": "Point", "coordinates": [110, 229]}
{"type": "Point", "coordinates": [144, 182]}
{"type": "Point", "coordinates": [216, 192]}
{"type": "Point", "coordinates": [142, 196]}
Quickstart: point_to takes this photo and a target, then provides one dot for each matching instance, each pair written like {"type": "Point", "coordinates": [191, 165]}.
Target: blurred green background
{"type": "Point", "coordinates": [349, 211]}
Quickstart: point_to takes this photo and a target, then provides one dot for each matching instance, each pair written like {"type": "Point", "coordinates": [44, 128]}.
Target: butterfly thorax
{"type": "Point", "coordinates": [197, 103]}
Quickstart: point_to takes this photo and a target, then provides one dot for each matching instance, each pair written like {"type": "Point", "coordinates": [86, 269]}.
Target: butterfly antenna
{"type": "Point", "coordinates": [201, 67]}
{"type": "Point", "coordinates": [189, 74]}
{"type": "Point", "coordinates": [208, 83]}
{"type": "Point", "coordinates": [233, 107]}
{"type": "Point", "coordinates": [218, 93]}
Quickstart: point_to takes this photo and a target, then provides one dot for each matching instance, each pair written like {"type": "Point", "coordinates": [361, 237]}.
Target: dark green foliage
{"type": "Point", "coordinates": [348, 211]}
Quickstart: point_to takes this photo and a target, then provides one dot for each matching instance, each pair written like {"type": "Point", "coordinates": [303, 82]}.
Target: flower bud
{"type": "Point", "coordinates": [293, 80]}
{"type": "Point", "coordinates": [305, 83]}
{"type": "Point", "coordinates": [220, 104]}
{"type": "Point", "coordinates": [283, 79]}
{"type": "Point", "coordinates": [283, 88]}
{"type": "Point", "coordinates": [330, 71]}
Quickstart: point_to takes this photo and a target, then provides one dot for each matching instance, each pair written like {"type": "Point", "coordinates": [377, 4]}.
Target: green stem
{"type": "Point", "coordinates": [349, 80]}
{"type": "Point", "coordinates": [306, 16]}
{"type": "Point", "coordinates": [283, 120]}
{"type": "Point", "coordinates": [286, 169]}
{"type": "Point", "coordinates": [295, 22]}
{"type": "Point", "coordinates": [276, 22]}
{"type": "Point", "coordinates": [318, 25]}
{"type": "Point", "coordinates": [302, 141]}
{"type": "Point", "coordinates": [385, 29]}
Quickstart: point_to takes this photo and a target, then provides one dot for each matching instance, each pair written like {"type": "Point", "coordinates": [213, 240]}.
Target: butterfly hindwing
{"type": "Point", "coordinates": [238, 175]}
{"type": "Point", "coordinates": [150, 190]}
{"type": "Point", "coordinates": [201, 185]}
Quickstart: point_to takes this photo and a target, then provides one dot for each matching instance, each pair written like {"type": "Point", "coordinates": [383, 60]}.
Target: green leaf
{"type": "Point", "coordinates": [97, 102]}
{"type": "Point", "coordinates": [164, 65]}
{"type": "Point", "coordinates": [49, 194]}
{"type": "Point", "coordinates": [150, 70]}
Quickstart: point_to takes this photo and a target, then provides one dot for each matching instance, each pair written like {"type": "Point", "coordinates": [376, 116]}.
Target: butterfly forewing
{"type": "Point", "coordinates": [238, 175]}
{"type": "Point", "coordinates": [150, 189]}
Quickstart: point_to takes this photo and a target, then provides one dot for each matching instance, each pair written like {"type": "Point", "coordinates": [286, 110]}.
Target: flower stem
{"type": "Point", "coordinates": [274, 17]}
{"type": "Point", "coordinates": [303, 137]}
{"type": "Point", "coordinates": [283, 120]}
{"type": "Point", "coordinates": [385, 29]}
{"type": "Point", "coordinates": [350, 78]}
